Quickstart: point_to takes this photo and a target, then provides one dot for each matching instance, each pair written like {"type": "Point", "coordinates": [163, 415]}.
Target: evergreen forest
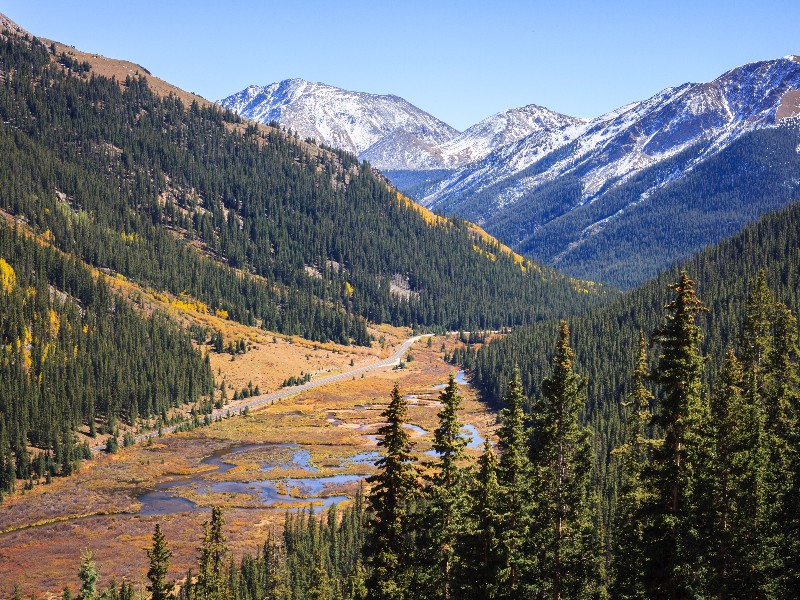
{"type": "Point", "coordinates": [76, 355]}
{"type": "Point", "coordinates": [705, 506]}
{"type": "Point", "coordinates": [646, 444]}
{"type": "Point", "coordinates": [270, 229]}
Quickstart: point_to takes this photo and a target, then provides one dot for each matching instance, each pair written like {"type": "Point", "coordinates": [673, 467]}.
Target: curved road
{"type": "Point", "coordinates": [392, 361]}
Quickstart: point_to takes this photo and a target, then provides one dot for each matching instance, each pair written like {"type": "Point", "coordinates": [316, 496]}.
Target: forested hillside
{"type": "Point", "coordinates": [254, 222]}
{"type": "Point", "coordinates": [704, 502]}
{"type": "Point", "coordinates": [75, 355]}
{"type": "Point", "coordinates": [605, 339]}
{"type": "Point", "coordinates": [713, 199]}
{"type": "Point", "coordinates": [652, 219]}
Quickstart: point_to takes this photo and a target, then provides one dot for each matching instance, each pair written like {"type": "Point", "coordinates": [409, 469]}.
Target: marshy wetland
{"type": "Point", "coordinates": [311, 450]}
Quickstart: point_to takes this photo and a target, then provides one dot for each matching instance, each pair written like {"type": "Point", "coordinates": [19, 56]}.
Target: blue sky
{"type": "Point", "coordinates": [461, 61]}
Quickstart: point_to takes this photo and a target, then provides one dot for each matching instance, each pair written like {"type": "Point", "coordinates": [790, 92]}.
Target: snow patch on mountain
{"type": "Point", "coordinates": [387, 129]}
{"type": "Point", "coordinates": [390, 132]}
{"type": "Point", "coordinates": [506, 128]}
{"type": "Point", "coordinates": [611, 149]}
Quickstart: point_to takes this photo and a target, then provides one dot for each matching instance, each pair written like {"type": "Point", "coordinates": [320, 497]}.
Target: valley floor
{"type": "Point", "coordinates": [314, 447]}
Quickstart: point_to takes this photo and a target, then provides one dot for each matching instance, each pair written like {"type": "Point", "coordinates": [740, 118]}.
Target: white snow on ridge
{"type": "Point", "coordinates": [387, 130]}
{"type": "Point", "coordinates": [352, 121]}
{"type": "Point", "coordinates": [514, 152]}
{"type": "Point", "coordinates": [506, 128]}
{"type": "Point", "coordinates": [615, 147]}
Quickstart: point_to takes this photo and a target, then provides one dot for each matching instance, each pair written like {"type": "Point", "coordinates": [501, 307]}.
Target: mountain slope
{"type": "Point", "coordinates": [550, 128]}
{"type": "Point", "coordinates": [103, 177]}
{"type": "Point", "coordinates": [390, 131]}
{"type": "Point", "coordinates": [523, 196]}
{"type": "Point", "coordinates": [605, 338]}
{"type": "Point", "coordinates": [250, 221]}
{"type": "Point", "coordinates": [617, 144]}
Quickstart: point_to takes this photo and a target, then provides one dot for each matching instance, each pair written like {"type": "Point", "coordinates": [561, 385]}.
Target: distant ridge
{"type": "Point", "coordinates": [7, 24]}
{"type": "Point", "coordinates": [388, 131]}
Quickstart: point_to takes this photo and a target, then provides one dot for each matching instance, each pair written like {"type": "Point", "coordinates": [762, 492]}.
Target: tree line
{"type": "Point", "coordinates": [603, 336]}
{"type": "Point", "coordinates": [271, 230]}
{"type": "Point", "coordinates": [707, 504]}
{"type": "Point", "coordinates": [75, 355]}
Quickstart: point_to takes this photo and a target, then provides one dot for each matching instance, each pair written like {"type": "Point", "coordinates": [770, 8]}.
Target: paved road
{"type": "Point", "coordinates": [392, 361]}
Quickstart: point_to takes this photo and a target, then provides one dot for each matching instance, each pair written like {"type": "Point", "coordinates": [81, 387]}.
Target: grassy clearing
{"type": "Point", "coordinates": [329, 423]}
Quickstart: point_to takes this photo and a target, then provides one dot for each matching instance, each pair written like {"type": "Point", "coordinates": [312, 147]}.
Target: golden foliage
{"type": "Point", "coordinates": [483, 252]}
{"type": "Point", "coordinates": [429, 217]}
{"type": "Point", "coordinates": [8, 278]}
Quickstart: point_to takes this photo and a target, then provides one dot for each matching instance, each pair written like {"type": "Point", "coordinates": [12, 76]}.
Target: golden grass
{"type": "Point", "coordinates": [323, 421]}
{"type": "Point", "coordinates": [121, 69]}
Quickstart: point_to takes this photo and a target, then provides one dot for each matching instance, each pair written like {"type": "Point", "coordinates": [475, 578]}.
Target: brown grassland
{"type": "Point", "coordinates": [43, 531]}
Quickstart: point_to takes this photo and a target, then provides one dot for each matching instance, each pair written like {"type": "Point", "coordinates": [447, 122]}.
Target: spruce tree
{"type": "Point", "coordinates": [321, 586]}
{"type": "Point", "coordinates": [390, 524]}
{"type": "Point", "coordinates": [567, 559]}
{"type": "Point", "coordinates": [274, 569]}
{"type": "Point", "coordinates": [211, 584]}
{"type": "Point", "coordinates": [444, 498]}
{"type": "Point", "coordinates": [727, 486]}
{"type": "Point", "coordinates": [627, 566]}
{"type": "Point", "coordinates": [159, 555]}
{"type": "Point", "coordinates": [783, 433]}
{"type": "Point", "coordinates": [89, 576]}
{"type": "Point", "coordinates": [670, 552]}
{"type": "Point", "coordinates": [478, 550]}
{"type": "Point", "coordinates": [756, 339]}
{"type": "Point", "coordinates": [514, 499]}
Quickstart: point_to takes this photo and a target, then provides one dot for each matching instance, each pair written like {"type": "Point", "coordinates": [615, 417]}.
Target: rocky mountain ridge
{"type": "Point", "coordinates": [387, 130]}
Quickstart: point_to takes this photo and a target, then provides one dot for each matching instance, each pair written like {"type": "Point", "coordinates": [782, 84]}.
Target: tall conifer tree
{"type": "Point", "coordinates": [783, 433]}
{"type": "Point", "coordinates": [211, 583]}
{"type": "Point", "coordinates": [561, 455]}
{"type": "Point", "coordinates": [514, 505]}
{"type": "Point", "coordinates": [159, 555]}
{"type": "Point", "coordinates": [445, 497]}
{"type": "Point", "coordinates": [627, 565]}
{"type": "Point", "coordinates": [389, 543]}
{"type": "Point", "coordinates": [727, 484]}
{"type": "Point", "coordinates": [479, 546]}
{"type": "Point", "coordinates": [670, 550]}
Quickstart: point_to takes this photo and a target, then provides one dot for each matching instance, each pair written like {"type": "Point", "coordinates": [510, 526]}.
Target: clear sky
{"type": "Point", "coordinates": [461, 61]}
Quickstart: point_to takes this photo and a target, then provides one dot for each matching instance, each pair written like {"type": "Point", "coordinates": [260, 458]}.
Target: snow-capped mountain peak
{"type": "Point", "coordinates": [611, 148]}
{"type": "Point", "coordinates": [506, 128]}
{"type": "Point", "coordinates": [389, 131]}
{"type": "Point", "coordinates": [352, 121]}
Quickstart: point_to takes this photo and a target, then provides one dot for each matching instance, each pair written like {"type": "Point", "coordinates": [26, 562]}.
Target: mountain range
{"type": "Point", "coordinates": [388, 131]}
{"type": "Point", "coordinates": [565, 190]}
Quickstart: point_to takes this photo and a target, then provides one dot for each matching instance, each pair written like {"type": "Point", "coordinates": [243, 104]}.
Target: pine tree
{"type": "Point", "coordinates": [514, 506]}
{"type": "Point", "coordinates": [783, 474]}
{"type": "Point", "coordinates": [763, 369]}
{"type": "Point", "coordinates": [670, 552]}
{"type": "Point", "coordinates": [627, 566]}
{"type": "Point", "coordinates": [727, 486]}
{"type": "Point", "coordinates": [561, 456]}
{"type": "Point", "coordinates": [321, 587]}
{"type": "Point", "coordinates": [756, 339]}
{"type": "Point", "coordinates": [159, 555]}
{"type": "Point", "coordinates": [478, 550]}
{"type": "Point", "coordinates": [274, 562]}
{"type": "Point", "coordinates": [211, 584]}
{"type": "Point", "coordinates": [389, 528]}
{"type": "Point", "coordinates": [89, 576]}
{"type": "Point", "coordinates": [444, 498]}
